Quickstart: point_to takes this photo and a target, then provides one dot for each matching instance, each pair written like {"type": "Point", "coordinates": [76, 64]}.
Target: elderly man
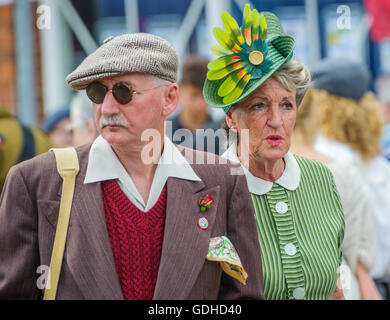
{"type": "Point", "coordinates": [138, 227]}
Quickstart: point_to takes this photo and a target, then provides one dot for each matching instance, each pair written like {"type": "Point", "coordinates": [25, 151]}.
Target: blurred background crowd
{"type": "Point", "coordinates": [347, 127]}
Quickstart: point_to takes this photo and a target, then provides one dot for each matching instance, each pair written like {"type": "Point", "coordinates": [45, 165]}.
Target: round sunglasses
{"type": "Point", "coordinates": [122, 92]}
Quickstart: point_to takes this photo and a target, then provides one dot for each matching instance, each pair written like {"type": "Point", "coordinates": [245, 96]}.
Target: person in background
{"type": "Point", "coordinates": [82, 118]}
{"type": "Point", "coordinates": [350, 131]}
{"type": "Point", "coordinates": [193, 113]}
{"type": "Point", "coordinates": [59, 128]}
{"type": "Point", "coordinates": [18, 142]}
{"type": "Point", "coordinates": [299, 217]}
{"type": "Point", "coordinates": [383, 93]}
{"type": "Point", "coordinates": [359, 245]}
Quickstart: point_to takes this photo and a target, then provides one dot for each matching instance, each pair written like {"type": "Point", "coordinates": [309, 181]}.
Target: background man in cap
{"type": "Point", "coordinates": [136, 230]}
{"type": "Point", "coordinates": [194, 112]}
{"type": "Point", "coordinates": [59, 128]}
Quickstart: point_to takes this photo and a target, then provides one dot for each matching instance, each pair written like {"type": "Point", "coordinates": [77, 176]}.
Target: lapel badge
{"type": "Point", "coordinates": [205, 202]}
{"type": "Point", "coordinates": [203, 223]}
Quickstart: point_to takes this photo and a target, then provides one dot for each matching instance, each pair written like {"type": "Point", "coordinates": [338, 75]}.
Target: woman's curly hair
{"type": "Point", "coordinates": [356, 123]}
{"type": "Point", "coordinates": [306, 121]}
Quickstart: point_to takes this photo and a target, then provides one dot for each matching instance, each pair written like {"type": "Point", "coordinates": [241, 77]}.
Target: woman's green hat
{"type": "Point", "coordinates": [248, 56]}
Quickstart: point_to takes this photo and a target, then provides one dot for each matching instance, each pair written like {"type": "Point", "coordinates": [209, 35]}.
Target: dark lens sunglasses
{"type": "Point", "coordinates": [121, 91]}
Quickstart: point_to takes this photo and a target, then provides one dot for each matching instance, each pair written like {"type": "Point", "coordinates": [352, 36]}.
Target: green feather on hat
{"type": "Point", "coordinates": [247, 56]}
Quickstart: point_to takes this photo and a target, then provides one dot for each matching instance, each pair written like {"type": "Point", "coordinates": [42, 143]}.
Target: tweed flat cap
{"type": "Point", "coordinates": [341, 77]}
{"type": "Point", "coordinates": [135, 52]}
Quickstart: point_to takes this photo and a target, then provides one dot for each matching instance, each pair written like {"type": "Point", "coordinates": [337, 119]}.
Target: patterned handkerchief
{"type": "Point", "coordinates": [222, 250]}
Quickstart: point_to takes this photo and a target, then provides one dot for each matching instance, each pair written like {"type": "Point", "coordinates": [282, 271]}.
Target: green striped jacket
{"type": "Point", "coordinates": [300, 225]}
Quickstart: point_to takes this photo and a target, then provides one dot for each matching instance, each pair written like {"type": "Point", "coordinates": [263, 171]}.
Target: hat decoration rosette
{"type": "Point", "coordinates": [247, 56]}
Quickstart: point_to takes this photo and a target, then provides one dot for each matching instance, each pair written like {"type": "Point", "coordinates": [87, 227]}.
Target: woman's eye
{"type": "Point", "coordinates": [288, 105]}
{"type": "Point", "coordinates": [258, 106]}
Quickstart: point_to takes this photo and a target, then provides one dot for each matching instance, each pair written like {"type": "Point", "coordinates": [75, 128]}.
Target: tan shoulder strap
{"type": "Point", "coordinates": [68, 167]}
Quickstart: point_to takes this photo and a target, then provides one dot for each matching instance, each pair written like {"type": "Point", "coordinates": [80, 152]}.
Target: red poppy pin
{"type": "Point", "coordinates": [205, 202]}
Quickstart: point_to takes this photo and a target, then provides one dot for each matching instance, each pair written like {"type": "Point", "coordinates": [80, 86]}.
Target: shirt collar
{"type": "Point", "coordinates": [173, 164]}
{"type": "Point", "coordinates": [289, 179]}
{"type": "Point", "coordinates": [103, 164]}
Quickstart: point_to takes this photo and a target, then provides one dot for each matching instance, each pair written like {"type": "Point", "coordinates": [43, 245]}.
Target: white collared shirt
{"type": "Point", "coordinates": [289, 179]}
{"type": "Point", "coordinates": [103, 164]}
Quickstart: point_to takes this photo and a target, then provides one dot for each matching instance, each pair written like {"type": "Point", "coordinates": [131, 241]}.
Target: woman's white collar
{"type": "Point", "coordinates": [289, 179]}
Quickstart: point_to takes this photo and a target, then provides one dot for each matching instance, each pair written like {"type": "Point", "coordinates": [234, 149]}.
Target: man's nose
{"type": "Point", "coordinates": [110, 106]}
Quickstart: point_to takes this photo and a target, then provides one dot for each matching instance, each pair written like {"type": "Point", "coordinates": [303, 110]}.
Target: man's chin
{"type": "Point", "coordinates": [114, 138]}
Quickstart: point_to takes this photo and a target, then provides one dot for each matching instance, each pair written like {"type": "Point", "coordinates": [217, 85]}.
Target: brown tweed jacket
{"type": "Point", "coordinates": [28, 216]}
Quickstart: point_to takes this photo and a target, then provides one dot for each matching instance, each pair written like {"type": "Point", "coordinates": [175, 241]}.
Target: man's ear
{"type": "Point", "coordinates": [171, 97]}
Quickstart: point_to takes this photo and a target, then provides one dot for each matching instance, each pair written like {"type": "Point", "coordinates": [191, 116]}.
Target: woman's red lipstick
{"type": "Point", "coordinates": [274, 140]}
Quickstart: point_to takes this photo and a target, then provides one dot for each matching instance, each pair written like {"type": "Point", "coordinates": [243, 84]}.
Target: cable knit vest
{"type": "Point", "coordinates": [136, 239]}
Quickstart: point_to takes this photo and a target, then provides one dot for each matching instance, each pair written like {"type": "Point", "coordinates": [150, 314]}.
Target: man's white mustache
{"type": "Point", "coordinates": [114, 120]}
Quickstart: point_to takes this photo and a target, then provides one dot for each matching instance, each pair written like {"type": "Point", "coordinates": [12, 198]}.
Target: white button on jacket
{"type": "Point", "coordinates": [299, 293]}
{"type": "Point", "coordinates": [290, 249]}
{"type": "Point", "coordinates": [281, 207]}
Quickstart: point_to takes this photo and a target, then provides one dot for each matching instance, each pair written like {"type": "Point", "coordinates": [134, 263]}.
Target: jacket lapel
{"type": "Point", "coordinates": [88, 251]}
{"type": "Point", "coordinates": [185, 244]}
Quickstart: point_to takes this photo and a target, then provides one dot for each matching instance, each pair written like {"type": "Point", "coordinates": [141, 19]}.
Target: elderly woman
{"type": "Point", "coordinates": [298, 211]}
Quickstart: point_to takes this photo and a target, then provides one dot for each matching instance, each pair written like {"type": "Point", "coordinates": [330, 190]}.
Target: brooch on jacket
{"type": "Point", "coordinates": [205, 203]}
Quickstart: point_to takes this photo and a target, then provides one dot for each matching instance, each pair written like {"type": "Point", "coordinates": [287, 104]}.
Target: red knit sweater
{"type": "Point", "coordinates": [136, 239]}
